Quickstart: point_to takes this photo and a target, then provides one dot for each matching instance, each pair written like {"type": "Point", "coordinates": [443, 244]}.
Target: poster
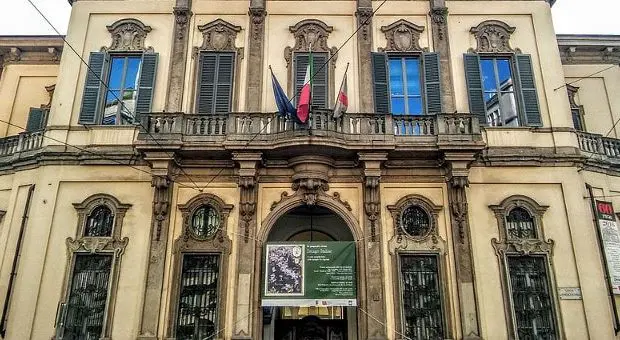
{"type": "Point", "coordinates": [611, 241]}
{"type": "Point", "coordinates": [309, 274]}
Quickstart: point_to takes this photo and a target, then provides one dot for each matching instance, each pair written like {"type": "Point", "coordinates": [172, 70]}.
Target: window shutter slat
{"type": "Point", "coordinates": [146, 84]}
{"type": "Point", "coordinates": [225, 73]}
{"type": "Point", "coordinates": [529, 96]}
{"type": "Point", "coordinates": [432, 83]}
{"type": "Point", "coordinates": [92, 88]}
{"type": "Point", "coordinates": [319, 81]}
{"type": "Point", "coordinates": [380, 82]}
{"type": "Point", "coordinates": [474, 86]}
{"type": "Point", "coordinates": [206, 86]}
{"type": "Point", "coordinates": [36, 119]}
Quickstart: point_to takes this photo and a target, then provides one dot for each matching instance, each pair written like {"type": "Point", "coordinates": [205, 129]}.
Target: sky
{"type": "Point", "coordinates": [18, 17]}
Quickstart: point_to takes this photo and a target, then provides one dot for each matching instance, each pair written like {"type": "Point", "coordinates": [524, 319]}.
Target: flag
{"type": "Point", "coordinates": [342, 101]}
{"type": "Point", "coordinates": [285, 108]}
{"type": "Point", "coordinates": [305, 95]}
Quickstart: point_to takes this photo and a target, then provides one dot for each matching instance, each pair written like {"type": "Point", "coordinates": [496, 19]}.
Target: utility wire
{"type": "Point", "coordinates": [586, 77]}
{"type": "Point", "coordinates": [123, 107]}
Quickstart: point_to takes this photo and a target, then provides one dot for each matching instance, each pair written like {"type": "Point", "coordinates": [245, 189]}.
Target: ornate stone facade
{"type": "Point", "coordinates": [493, 36]}
{"type": "Point", "coordinates": [128, 35]}
{"type": "Point", "coordinates": [402, 36]}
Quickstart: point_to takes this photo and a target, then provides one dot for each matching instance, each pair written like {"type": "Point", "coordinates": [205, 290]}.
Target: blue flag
{"type": "Point", "coordinates": [285, 108]}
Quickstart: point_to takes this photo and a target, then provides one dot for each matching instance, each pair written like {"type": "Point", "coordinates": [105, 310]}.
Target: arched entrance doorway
{"type": "Point", "coordinates": [309, 224]}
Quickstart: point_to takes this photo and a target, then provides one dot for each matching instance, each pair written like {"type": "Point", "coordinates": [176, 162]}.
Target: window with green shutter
{"type": "Point", "coordinates": [320, 77]}
{"type": "Point", "coordinates": [215, 82]}
{"type": "Point", "coordinates": [36, 119]}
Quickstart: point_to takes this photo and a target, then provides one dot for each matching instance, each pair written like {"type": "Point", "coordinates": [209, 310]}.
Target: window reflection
{"type": "Point", "coordinates": [405, 86]}
{"type": "Point", "coordinates": [120, 102]}
{"type": "Point", "coordinates": [499, 92]}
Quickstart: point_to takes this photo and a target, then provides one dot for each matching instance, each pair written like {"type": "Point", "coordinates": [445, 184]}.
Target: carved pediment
{"type": "Point", "coordinates": [219, 35]}
{"type": "Point", "coordinates": [310, 32]}
{"type": "Point", "coordinates": [402, 36]}
{"type": "Point", "coordinates": [97, 245]}
{"type": "Point", "coordinates": [493, 36]}
{"type": "Point", "coordinates": [128, 35]}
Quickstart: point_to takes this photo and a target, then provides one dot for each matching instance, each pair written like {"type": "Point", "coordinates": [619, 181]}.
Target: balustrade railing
{"type": "Point", "coordinates": [24, 141]}
{"type": "Point", "coordinates": [594, 143]}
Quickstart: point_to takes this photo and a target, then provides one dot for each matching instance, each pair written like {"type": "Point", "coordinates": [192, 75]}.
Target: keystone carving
{"type": "Point", "coordinates": [402, 36]}
{"type": "Point", "coordinates": [493, 36]}
{"type": "Point", "coordinates": [219, 35]}
{"type": "Point", "coordinates": [128, 35]}
{"type": "Point", "coordinates": [310, 188]}
{"type": "Point", "coordinates": [310, 32]}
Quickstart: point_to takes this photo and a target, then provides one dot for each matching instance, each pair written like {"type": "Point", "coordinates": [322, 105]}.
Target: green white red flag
{"type": "Point", "coordinates": [342, 101]}
{"type": "Point", "coordinates": [305, 95]}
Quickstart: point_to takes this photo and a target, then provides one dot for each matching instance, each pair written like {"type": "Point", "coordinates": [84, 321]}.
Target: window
{"type": "Point", "coordinates": [319, 74]}
{"type": "Point", "coordinates": [499, 92]}
{"type": "Point", "coordinates": [405, 89]}
{"type": "Point", "coordinates": [205, 222]}
{"type": "Point", "coordinates": [415, 221]}
{"type": "Point", "coordinates": [406, 84]}
{"type": "Point", "coordinates": [120, 99]}
{"type": "Point", "coordinates": [198, 299]}
{"type": "Point", "coordinates": [575, 109]}
{"type": "Point", "coordinates": [422, 307]}
{"type": "Point", "coordinates": [37, 119]}
{"type": "Point", "coordinates": [214, 94]}
{"type": "Point", "coordinates": [525, 257]}
{"type": "Point", "coordinates": [530, 296]}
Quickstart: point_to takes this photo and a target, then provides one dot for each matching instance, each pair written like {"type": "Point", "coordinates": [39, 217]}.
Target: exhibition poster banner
{"type": "Point", "coordinates": [611, 241]}
{"type": "Point", "coordinates": [309, 274]}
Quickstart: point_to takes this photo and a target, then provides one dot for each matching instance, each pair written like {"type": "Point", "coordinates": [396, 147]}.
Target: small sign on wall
{"type": "Point", "coordinates": [569, 293]}
{"type": "Point", "coordinates": [611, 241]}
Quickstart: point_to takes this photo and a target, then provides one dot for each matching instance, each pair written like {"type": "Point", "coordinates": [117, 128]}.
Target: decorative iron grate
{"type": "Point", "coordinates": [415, 221]}
{"type": "Point", "coordinates": [531, 299]}
{"type": "Point", "coordinates": [205, 222]}
{"type": "Point", "coordinates": [198, 300]}
{"type": "Point", "coordinates": [99, 223]}
{"type": "Point", "coordinates": [422, 311]}
{"type": "Point", "coordinates": [520, 224]}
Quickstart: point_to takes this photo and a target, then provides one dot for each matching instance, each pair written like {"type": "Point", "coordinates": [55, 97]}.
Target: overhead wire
{"type": "Point", "coordinates": [586, 77]}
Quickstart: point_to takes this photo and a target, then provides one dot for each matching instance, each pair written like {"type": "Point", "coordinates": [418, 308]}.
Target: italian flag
{"type": "Point", "coordinates": [305, 95]}
{"type": "Point", "coordinates": [342, 101]}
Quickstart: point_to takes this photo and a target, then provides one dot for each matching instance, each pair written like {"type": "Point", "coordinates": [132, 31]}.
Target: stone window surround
{"type": "Point", "coordinates": [572, 91]}
{"type": "Point", "coordinates": [219, 243]}
{"type": "Point", "coordinates": [432, 243]}
{"type": "Point", "coordinates": [112, 245]}
{"type": "Point", "coordinates": [538, 246]}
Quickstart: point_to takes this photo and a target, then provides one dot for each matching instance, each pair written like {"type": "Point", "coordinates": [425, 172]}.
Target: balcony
{"type": "Point", "coordinates": [265, 131]}
{"type": "Point", "coordinates": [599, 147]}
{"type": "Point", "coordinates": [14, 147]}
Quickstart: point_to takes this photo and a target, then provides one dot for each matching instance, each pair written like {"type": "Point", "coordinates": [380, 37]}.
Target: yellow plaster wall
{"type": "Point", "coordinates": [22, 87]}
{"type": "Point", "coordinates": [598, 95]}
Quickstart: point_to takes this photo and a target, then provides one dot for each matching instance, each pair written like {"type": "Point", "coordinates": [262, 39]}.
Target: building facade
{"type": "Point", "coordinates": [143, 170]}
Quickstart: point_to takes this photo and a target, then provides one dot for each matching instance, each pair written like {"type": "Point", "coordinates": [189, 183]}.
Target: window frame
{"type": "Point", "coordinates": [515, 81]}
{"type": "Point", "coordinates": [328, 78]}
{"type": "Point", "coordinates": [199, 54]}
{"type": "Point", "coordinates": [402, 56]}
{"type": "Point", "coordinates": [107, 72]}
{"type": "Point", "coordinates": [572, 91]}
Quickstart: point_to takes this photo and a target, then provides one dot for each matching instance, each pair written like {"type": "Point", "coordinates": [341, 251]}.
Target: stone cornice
{"type": "Point", "coordinates": [589, 48]}
{"type": "Point", "coordinates": [30, 49]}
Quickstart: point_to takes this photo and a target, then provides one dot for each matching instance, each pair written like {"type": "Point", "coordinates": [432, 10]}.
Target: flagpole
{"type": "Point", "coordinates": [340, 89]}
{"type": "Point", "coordinates": [311, 68]}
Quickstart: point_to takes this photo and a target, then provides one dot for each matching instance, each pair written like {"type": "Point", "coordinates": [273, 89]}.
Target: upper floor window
{"type": "Point", "coordinates": [575, 109]}
{"type": "Point", "coordinates": [320, 76]}
{"type": "Point", "coordinates": [99, 223]}
{"type": "Point", "coordinates": [214, 93]}
{"type": "Point", "coordinates": [405, 85]}
{"type": "Point", "coordinates": [205, 222]}
{"type": "Point", "coordinates": [520, 224]}
{"type": "Point", "coordinates": [120, 78]}
{"type": "Point", "coordinates": [500, 79]}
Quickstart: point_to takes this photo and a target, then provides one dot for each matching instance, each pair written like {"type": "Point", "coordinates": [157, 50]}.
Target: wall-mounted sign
{"type": "Point", "coordinates": [569, 293]}
{"type": "Point", "coordinates": [309, 274]}
{"type": "Point", "coordinates": [611, 241]}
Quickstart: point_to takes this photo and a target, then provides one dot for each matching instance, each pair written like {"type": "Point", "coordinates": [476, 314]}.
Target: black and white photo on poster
{"type": "Point", "coordinates": [285, 270]}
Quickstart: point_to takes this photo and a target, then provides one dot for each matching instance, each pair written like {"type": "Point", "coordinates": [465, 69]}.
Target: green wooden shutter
{"type": "Point", "coordinates": [224, 82]}
{"type": "Point", "coordinates": [380, 82]}
{"type": "Point", "coordinates": [432, 83]}
{"type": "Point", "coordinates": [206, 84]}
{"type": "Point", "coordinates": [300, 64]}
{"type": "Point", "coordinates": [474, 86]}
{"type": "Point", "coordinates": [527, 86]}
{"type": "Point", "coordinates": [36, 119]}
{"type": "Point", "coordinates": [97, 63]}
{"type": "Point", "coordinates": [146, 84]}
{"type": "Point", "coordinates": [320, 81]}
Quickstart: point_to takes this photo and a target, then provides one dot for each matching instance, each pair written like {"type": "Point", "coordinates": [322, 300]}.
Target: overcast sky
{"type": "Point", "coordinates": [569, 16]}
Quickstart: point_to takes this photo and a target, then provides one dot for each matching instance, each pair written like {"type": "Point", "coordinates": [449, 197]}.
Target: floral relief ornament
{"type": "Point", "coordinates": [128, 35]}
{"type": "Point", "coordinates": [493, 36]}
{"type": "Point", "coordinates": [402, 36]}
{"type": "Point", "coordinates": [219, 35]}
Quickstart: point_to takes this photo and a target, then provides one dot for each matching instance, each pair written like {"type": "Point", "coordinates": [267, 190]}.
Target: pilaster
{"type": "Point", "coordinates": [441, 45]}
{"type": "Point", "coordinates": [244, 319]}
{"type": "Point", "coordinates": [364, 48]}
{"type": "Point", "coordinates": [178, 60]}
{"type": "Point", "coordinates": [255, 54]}
{"type": "Point", "coordinates": [458, 166]}
{"type": "Point", "coordinates": [375, 301]}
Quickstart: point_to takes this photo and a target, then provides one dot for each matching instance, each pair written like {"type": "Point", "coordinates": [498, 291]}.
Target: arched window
{"type": "Point", "coordinates": [205, 222]}
{"type": "Point", "coordinates": [415, 221]}
{"type": "Point", "coordinates": [520, 224]}
{"type": "Point", "coordinates": [99, 222]}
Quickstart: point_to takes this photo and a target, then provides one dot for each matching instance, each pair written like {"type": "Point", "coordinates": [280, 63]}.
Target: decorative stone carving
{"type": "Point", "coordinates": [402, 36]}
{"type": "Point", "coordinates": [181, 18]}
{"type": "Point", "coordinates": [493, 36]}
{"type": "Point", "coordinates": [458, 205]}
{"type": "Point", "coordinates": [310, 32]}
{"type": "Point", "coordinates": [219, 35]}
{"type": "Point", "coordinates": [402, 240]}
{"type": "Point", "coordinates": [364, 21]}
{"type": "Point", "coordinates": [97, 245]}
{"type": "Point", "coordinates": [219, 240]}
{"type": "Point", "coordinates": [128, 35]}
{"type": "Point", "coordinates": [572, 91]}
{"type": "Point", "coordinates": [257, 19]}
{"type": "Point", "coordinates": [54, 53]}
{"type": "Point", "coordinates": [309, 188]}
{"type": "Point", "coordinates": [439, 15]}
{"type": "Point", "coordinates": [50, 92]}
{"type": "Point", "coordinates": [161, 202]}
{"type": "Point", "coordinates": [372, 204]}
{"type": "Point", "coordinates": [247, 203]}
{"type": "Point", "coordinates": [14, 55]}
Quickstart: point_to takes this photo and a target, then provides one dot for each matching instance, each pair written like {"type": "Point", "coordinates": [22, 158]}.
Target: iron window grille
{"type": "Point", "coordinates": [99, 223]}
{"type": "Point", "coordinates": [205, 222]}
{"type": "Point", "coordinates": [415, 221]}
{"type": "Point", "coordinates": [520, 224]}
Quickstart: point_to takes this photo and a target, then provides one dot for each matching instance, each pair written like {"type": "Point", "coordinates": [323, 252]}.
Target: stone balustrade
{"type": "Point", "coordinates": [25, 141]}
{"type": "Point", "coordinates": [597, 144]}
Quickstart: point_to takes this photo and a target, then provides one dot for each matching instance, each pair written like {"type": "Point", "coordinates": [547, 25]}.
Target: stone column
{"type": "Point", "coordinates": [441, 44]}
{"type": "Point", "coordinates": [461, 238]}
{"type": "Point", "coordinates": [178, 59]}
{"type": "Point", "coordinates": [254, 93]}
{"type": "Point", "coordinates": [375, 302]}
{"type": "Point", "coordinates": [364, 48]}
{"type": "Point", "coordinates": [244, 302]}
{"type": "Point", "coordinates": [161, 163]}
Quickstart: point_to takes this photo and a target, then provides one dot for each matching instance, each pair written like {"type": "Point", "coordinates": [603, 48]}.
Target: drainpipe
{"type": "Point", "coordinates": [599, 237]}
{"type": "Point", "coordinates": [20, 239]}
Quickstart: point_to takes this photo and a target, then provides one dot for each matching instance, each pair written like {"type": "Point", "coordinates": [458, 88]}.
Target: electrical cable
{"type": "Point", "coordinates": [586, 77]}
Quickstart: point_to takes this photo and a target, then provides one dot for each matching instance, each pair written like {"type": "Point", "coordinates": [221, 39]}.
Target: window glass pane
{"type": "Point", "coordinates": [423, 317]}
{"type": "Point", "coordinates": [488, 75]}
{"type": "Point", "coordinates": [99, 223]}
{"type": "Point", "coordinates": [205, 222]}
{"type": "Point", "coordinates": [531, 299]}
{"type": "Point", "coordinates": [396, 77]}
{"type": "Point", "coordinates": [133, 67]}
{"type": "Point", "coordinates": [116, 73]}
{"type": "Point", "coordinates": [111, 107]}
{"type": "Point", "coordinates": [88, 296]}
{"type": "Point", "coordinates": [504, 74]}
{"type": "Point", "coordinates": [508, 109]}
{"type": "Point", "coordinates": [197, 313]}
{"type": "Point", "coordinates": [413, 76]}
{"type": "Point", "coordinates": [129, 107]}
{"type": "Point", "coordinates": [415, 105]}
{"type": "Point", "coordinates": [398, 105]}
{"type": "Point", "coordinates": [415, 221]}
{"type": "Point", "coordinates": [577, 119]}
{"type": "Point", "coordinates": [520, 224]}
